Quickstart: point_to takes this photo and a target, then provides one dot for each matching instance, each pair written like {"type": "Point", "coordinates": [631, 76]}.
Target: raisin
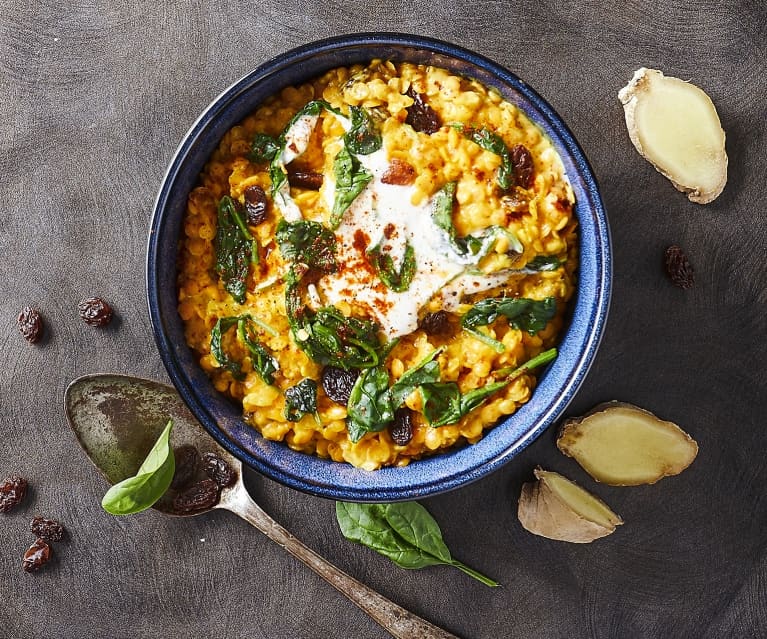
{"type": "Point", "coordinates": [95, 312]}
{"type": "Point", "coordinates": [198, 497]}
{"type": "Point", "coordinates": [338, 383]}
{"type": "Point", "coordinates": [12, 492]}
{"type": "Point", "coordinates": [218, 470]}
{"type": "Point", "coordinates": [678, 267]}
{"type": "Point", "coordinates": [187, 463]}
{"type": "Point", "coordinates": [399, 172]}
{"type": "Point", "coordinates": [401, 429]}
{"type": "Point", "coordinates": [421, 116]}
{"type": "Point", "coordinates": [255, 204]}
{"type": "Point", "coordinates": [305, 179]}
{"type": "Point", "coordinates": [30, 324]}
{"type": "Point", "coordinates": [435, 323]}
{"type": "Point", "coordinates": [47, 529]}
{"type": "Point", "coordinates": [37, 555]}
{"type": "Point", "coordinates": [522, 162]}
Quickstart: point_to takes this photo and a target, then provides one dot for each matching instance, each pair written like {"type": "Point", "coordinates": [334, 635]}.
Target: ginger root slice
{"type": "Point", "coordinates": [556, 508]}
{"type": "Point", "coordinates": [623, 445]}
{"type": "Point", "coordinates": [674, 126]}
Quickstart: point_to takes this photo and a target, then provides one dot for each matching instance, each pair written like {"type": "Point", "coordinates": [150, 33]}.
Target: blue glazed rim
{"type": "Point", "coordinates": [222, 418]}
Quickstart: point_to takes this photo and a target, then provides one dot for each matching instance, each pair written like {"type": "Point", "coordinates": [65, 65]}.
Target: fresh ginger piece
{"type": "Point", "coordinates": [623, 445]}
{"type": "Point", "coordinates": [675, 127]}
{"type": "Point", "coordinates": [556, 508]}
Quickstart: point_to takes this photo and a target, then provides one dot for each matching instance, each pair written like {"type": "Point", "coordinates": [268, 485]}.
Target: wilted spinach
{"type": "Point", "coordinates": [424, 372]}
{"type": "Point", "coordinates": [351, 180]}
{"type": "Point", "coordinates": [544, 263]}
{"type": "Point", "coordinates": [301, 400]}
{"type": "Point", "coordinates": [152, 479]}
{"type": "Point", "coordinates": [493, 142]}
{"type": "Point", "coordinates": [235, 248]}
{"type": "Point", "coordinates": [404, 532]}
{"type": "Point", "coordinates": [263, 362]}
{"type": "Point", "coordinates": [522, 313]}
{"type": "Point", "coordinates": [443, 403]}
{"type": "Point", "coordinates": [309, 242]}
{"type": "Point", "coordinates": [370, 407]}
{"type": "Point", "coordinates": [397, 281]}
{"type": "Point", "coordinates": [263, 148]}
{"type": "Point", "coordinates": [364, 137]}
{"type": "Point", "coordinates": [512, 372]}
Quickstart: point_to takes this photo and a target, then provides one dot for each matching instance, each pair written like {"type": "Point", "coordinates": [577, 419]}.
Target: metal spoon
{"type": "Point", "coordinates": [117, 419]}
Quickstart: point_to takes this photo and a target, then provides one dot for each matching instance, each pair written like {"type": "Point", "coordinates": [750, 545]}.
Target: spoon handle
{"type": "Point", "coordinates": [399, 622]}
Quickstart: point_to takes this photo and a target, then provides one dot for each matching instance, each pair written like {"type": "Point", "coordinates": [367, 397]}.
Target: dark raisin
{"type": "Point", "coordinates": [12, 492]}
{"type": "Point", "coordinates": [95, 311]}
{"type": "Point", "coordinates": [435, 323]}
{"type": "Point", "coordinates": [218, 470]}
{"type": "Point", "coordinates": [338, 383]}
{"type": "Point", "coordinates": [399, 172]}
{"type": "Point", "coordinates": [187, 463]}
{"type": "Point", "coordinates": [255, 204]}
{"type": "Point", "coordinates": [522, 162]}
{"type": "Point", "coordinates": [37, 555]}
{"type": "Point", "coordinates": [47, 529]}
{"type": "Point", "coordinates": [198, 497]}
{"type": "Point", "coordinates": [678, 267]}
{"type": "Point", "coordinates": [305, 179]}
{"type": "Point", "coordinates": [421, 116]}
{"type": "Point", "coordinates": [401, 429]}
{"type": "Point", "coordinates": [30, 324]}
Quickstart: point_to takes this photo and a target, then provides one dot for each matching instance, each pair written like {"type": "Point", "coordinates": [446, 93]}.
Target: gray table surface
{"type": "Point", "coordinates": [94, 97]}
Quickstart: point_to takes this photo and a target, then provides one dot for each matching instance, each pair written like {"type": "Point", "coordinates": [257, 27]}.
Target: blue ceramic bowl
{"type": "Point", "coordinates": [222, 418]}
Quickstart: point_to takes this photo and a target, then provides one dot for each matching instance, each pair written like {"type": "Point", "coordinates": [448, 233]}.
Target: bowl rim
{"type": "Point", "coordinates": [357, 484]}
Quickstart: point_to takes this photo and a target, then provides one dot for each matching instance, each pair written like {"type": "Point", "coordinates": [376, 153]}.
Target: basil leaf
{"type": "Point", "coordinates": [263, 362]}
{"type": "Point", "coordinates": [424, 372]}
{"type": "Point", "coordinates": [493, 142]}
{"type": "Point", "coordinates": [263, 148]}
{"type": "Point", "coordinates": [370, 407]}
{"type": "Point", "coordinates": [308, 242]}
{"type": "Point", "coordinates": [522, 313]}
{"type": "Point", "coordinates": [235, 248]}
{"type": "Point", "coordinates": [364, 137]}
{"type": "Point", "coordinates": [351, 180]}
{"type": "Point", "coordinates": [443, 404]}
{"type": "Point", "coordinates": [404, 532]}
{"type": "Point", "coordinates": [397, 281]}
{"type": "Point", "coordinates": [300, 400]}
{"type": "Point", "coordinates": [544, 263]}
{"type": "Point", "coordinates": [137, 493]}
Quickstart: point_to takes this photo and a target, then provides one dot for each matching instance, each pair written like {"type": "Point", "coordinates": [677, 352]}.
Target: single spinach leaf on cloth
{"type": "Point", "coordinates": [263, 148]}
{"type": "Point", "coordinates": [397, 281]}
{"type": "Point", "coordinates": [404, 532]}
{"type": "Point", "coordinates": [301, 400]}
{"type": "Point", "coordinates": [308, 242]}
{"type": "Point", "coordinates": [370, 407]}
{"type": "Point", "coordinates": [351, 180]}
{"type": "Point", "coordinates": [153, 478]}
{"type": "Point", "coordinates": [522, 313]}
{"type": "Point", "coordinates": [364, 137]}
{"type": "Point", "coordinates": [263, 362]}
{"type": "Point", "coordinates": [544, 263]}
{"type": "Point", "coordinates": [235, 248]}
{"type": "Point", "coordinates": [443, 403]}
{"type": "Point", "coordinates": [424, 372]}
{"type": "Point", "coordinates": [493, 142]}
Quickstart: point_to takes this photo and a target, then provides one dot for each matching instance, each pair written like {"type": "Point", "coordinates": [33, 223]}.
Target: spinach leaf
{"type": "Point", "coordinates": [442, 213]}
{"type": "Point", "coordinates": [137, 493]}
{"type": "Point", "coordinates": [522, 313]}
{"type": "Point", "coordinates": [351, 180]}
{"type": "Point", "coordinates": [397, 281]}
{"type": "Point", "coordinates": [364, 137]}
{"type": "Point", "coordinates": [443, 403]}
{"type": "Point", "coordinates": [370, 407]}
{"type": "Point", "coordinates": [263, 362]}
{"type": "Point", "coordinates": [300, 400]}
{"type": "Point", "coordinates": [308, 242]}
{"type": "Point", "coordinates": [544, 263]}
{"type": "Point", "coordinates": [497, 346]}
{"type": "Point", "coordinates": [404, 532]}
{"type": "Point", "coordinates": [493, 142]}
{"type": "Point", "coordinates": [512, 372]}
{"type": "Point", "coordinates": [424, 372]}
{"type": "Point", "coordinates": [235, 248]}
{"type": "Point", "coordinates": [263, 148]}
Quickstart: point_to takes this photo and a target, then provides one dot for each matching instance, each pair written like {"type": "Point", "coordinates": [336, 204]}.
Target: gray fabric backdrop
{"type": "Point", "coordinates": [94, 97]}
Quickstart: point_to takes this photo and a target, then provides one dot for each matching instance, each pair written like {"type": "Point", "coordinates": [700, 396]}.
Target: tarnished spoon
{"type": "Point", "coordinates": [117, 419]}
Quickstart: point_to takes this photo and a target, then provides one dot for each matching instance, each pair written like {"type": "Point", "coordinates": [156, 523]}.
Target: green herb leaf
{"type": "Point", "coordinates": [404, 532]}
{"type": "Point", "coordinates": [263, 362]}
{"type": "Point", "coordinates": [301, 400]}
{"type": "Point", "coordinates": [443, 404]}
{"type": "Point", "coordinates": [308, 242]}
{"type": "Point", "coordinates": [497, 346]}
{"type": "Point", "coordinates": [544, 263]}
{"type": "Point", "coordinates": [424, 372]}
{"type": "Point", "coordinates": [493, 142]}
{"type": "Point", "coordinates": [351, 180]}
{"type": "Point", "coordinates": [397, 281]}
{"type": "Point", "coordinates": [235, 248]}
{"type": "Point", "coordinates": [370, 407]}
{"type": "Point", "coordinates": [263, 148]}
{"type": "Point", "coordinates": [522, 313]}
{"type": "Point", "coordinates": [510, 373]}
{"type": "Point", "coordinates": [364, 137]}
{"type": "Point", "coordinates": [137, 493]}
